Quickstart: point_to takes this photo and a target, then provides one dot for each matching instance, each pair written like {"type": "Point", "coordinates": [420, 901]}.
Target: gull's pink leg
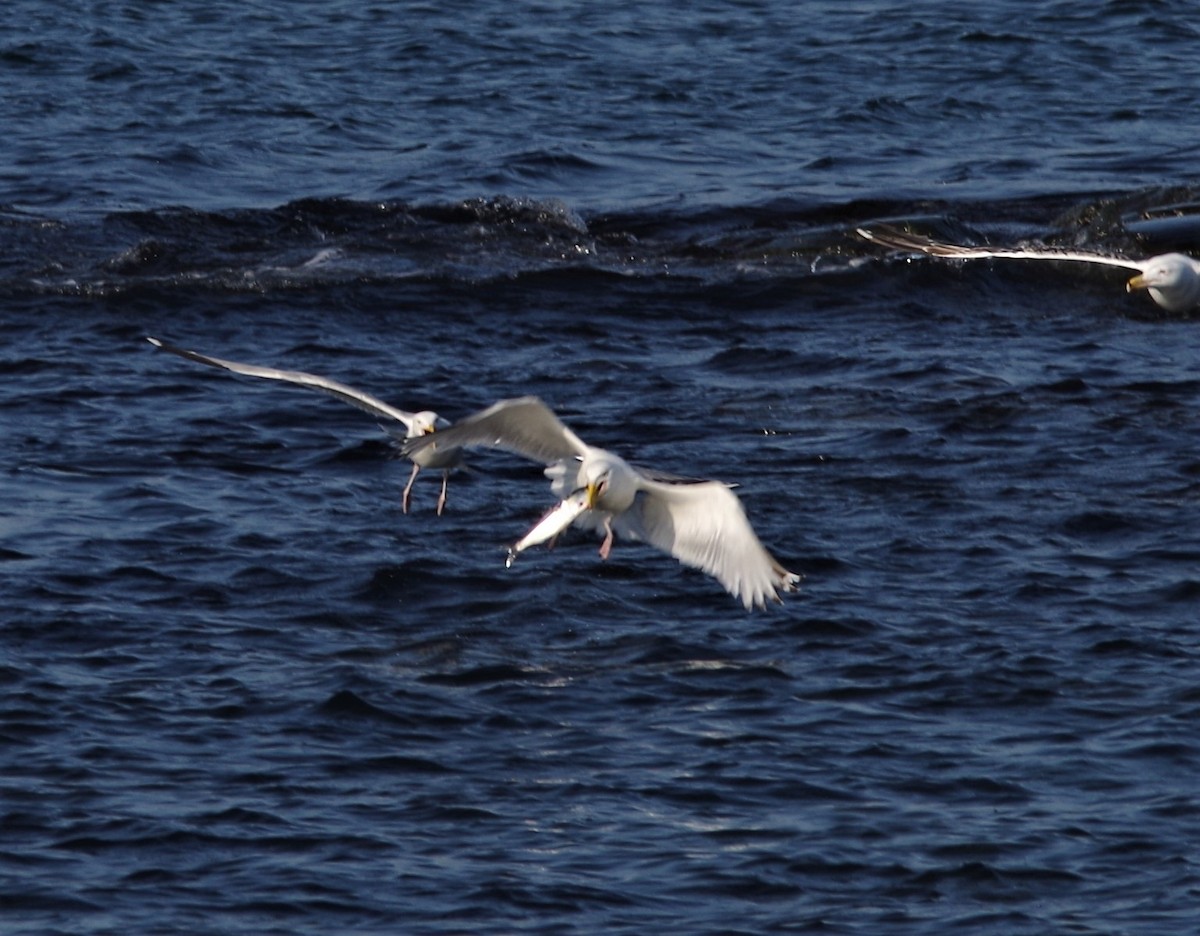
{"type": "Point", "coordinates": [442, 496]}
{"type": "Point", "coordinates": [606, 546]}
{"type": "Point", "coordinates": [408, 488]}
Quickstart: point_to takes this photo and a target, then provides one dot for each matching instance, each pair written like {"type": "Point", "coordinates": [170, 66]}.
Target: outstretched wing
{"type": "Point", "coordinates": [703, 525]}
{"type": "Point", "coordinates": [523, 425]}
{"type": "Point", "coordinates": [363, 401]}
{"type": "Point", "coordinates": [894, 238]}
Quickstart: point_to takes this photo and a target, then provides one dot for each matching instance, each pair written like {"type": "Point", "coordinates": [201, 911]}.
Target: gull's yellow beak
{"type": "Point", "coordinates": [593, 490]}
{"type": "Point", "coordinates": [430, 430]}
{"type": "Point", "coordinates": [1138, 282]}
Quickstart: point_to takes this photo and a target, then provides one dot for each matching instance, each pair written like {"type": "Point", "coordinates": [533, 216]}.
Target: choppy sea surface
{"type": "Point", "coordinates": [242, 692]}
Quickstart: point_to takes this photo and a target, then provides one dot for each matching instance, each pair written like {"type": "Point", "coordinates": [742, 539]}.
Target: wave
{"type": "Point", "coordinates": [330, 241]}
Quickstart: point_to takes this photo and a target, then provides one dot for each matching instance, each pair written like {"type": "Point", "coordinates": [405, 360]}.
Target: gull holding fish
{"type": "Point", "coordinates": [416, 425]}
{"type": "Point", "coordinates": [700, 523]}
{"type": "Point", "coordinates": [1172, 280]}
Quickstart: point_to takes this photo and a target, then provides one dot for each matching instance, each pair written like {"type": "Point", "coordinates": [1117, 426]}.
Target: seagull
{"type": "Point", "coordinates": [1172, 280]}
{"type": "Point", "coordinates": [700, 523]}
{"type": "Point", "coordinates": [416, 425]}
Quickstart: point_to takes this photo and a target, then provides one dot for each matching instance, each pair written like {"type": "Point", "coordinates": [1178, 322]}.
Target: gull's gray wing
{"type": "Point", "coordinates": [364, 401]}
{"type": "Point", "coordinates": [892, 237]}
{"type": "Point", "coordinates": [523, 425]}
{"type": "Point", "coordinates": [703, 525]}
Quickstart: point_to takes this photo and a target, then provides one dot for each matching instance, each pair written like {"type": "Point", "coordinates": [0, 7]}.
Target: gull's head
{"type": "Point", "coordinates": [424, 423]}
{"type": "Point", "coordinates": [609, 482]}
{"type": "Point", "coordinates": [1173, 281]}
{"type": "Point", "coordinates": [594, 476]}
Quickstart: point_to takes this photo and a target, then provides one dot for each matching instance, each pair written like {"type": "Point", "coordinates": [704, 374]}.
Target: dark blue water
{"type": "Point", "coordinates": [243, 693]}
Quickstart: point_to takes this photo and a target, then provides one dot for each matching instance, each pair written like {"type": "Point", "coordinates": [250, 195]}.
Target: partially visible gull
{"type": "Point", "coordinates": [415, 425]}
{"type": "Point", "coordinates": [1173, 279]}
{"type": "Point", "coordinates": [700, 523]}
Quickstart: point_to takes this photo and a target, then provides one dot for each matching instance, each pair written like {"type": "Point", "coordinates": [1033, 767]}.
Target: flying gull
{"type": "Point", "coordinates": [1172, 280]}
{"type": "Point", "coordinates": [416, 425]}
{"type": "Point", "coordinates": [700, 523]}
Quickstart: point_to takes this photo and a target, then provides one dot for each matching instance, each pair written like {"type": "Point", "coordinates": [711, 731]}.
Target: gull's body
{"type": "Point", "coordinates": [700, 523]}
{"type": "Point", "coordinates": [415, 425]}
{"type": "Point", "coordinates": [1172, 280]}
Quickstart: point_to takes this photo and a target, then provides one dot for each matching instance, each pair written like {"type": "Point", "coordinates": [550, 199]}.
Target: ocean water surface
{"type": "Point", "coordinates": [243, 692]}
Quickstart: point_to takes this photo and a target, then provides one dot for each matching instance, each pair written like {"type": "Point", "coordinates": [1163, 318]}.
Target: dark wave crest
{"type": "Point", "coordinates": [318, 242]}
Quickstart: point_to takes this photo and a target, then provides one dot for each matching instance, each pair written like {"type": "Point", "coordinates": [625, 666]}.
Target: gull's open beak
{"type": "Point", "coordinates": [430, 430]}
{"type": "Point", "coordinates": [592, 490]}
{"type": "Point", "coordinates": [1138, 282]}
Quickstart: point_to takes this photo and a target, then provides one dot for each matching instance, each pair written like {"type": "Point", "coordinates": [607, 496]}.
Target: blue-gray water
{"type": "Point", "coordinates": [241, 692]}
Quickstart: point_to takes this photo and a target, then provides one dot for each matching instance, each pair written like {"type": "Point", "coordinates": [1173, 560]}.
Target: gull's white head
{"type": "Point", "coordinates": [424, 423]}
{"type": "Point", "coordinates": [610, 483]}
{"type": "Point", "coordinates": [1172, 280]}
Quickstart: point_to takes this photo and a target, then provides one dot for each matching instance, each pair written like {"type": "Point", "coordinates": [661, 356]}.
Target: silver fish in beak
{"type": "Point", "coordinates": [550, 525]}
